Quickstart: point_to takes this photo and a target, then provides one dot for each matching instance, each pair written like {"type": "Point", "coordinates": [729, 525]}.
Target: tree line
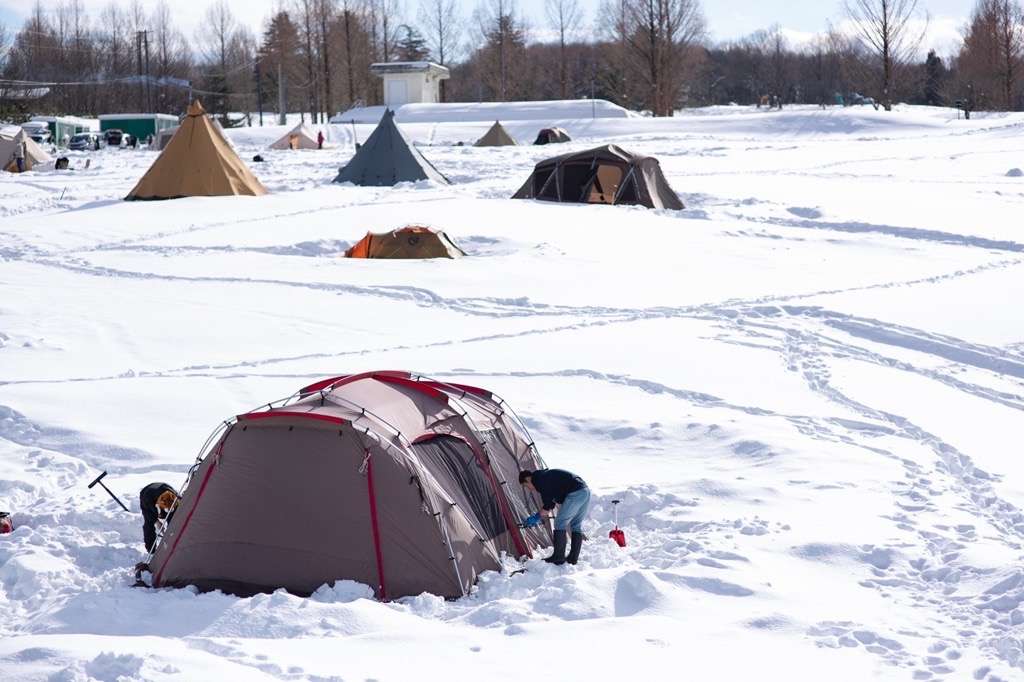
{"type": "Point", "coordinates": [647, 55]}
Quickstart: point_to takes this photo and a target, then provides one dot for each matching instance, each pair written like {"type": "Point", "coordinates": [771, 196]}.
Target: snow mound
{"type": "Point", "coordinates": [543, 110]}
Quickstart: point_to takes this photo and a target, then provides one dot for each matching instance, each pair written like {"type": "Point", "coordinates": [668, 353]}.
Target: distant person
{"type": "Point", "coordinates": [19, 156]}
{"type": "Point", "coordinates": [133, 141]}
{"type": "Point", "coordinates": [572, 496]}
{"type": "Point", "coordinates": [157, 502]}
{"type": "Point", "coordinates": [96, 143]}
{"type": "Point", "coordinates": [320, 140]}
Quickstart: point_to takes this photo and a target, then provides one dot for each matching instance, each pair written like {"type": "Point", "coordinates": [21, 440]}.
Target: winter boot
{"type": "Point", "coordinates": [558, 556]}
{"type": "Point", "coordinates": [574, 549]}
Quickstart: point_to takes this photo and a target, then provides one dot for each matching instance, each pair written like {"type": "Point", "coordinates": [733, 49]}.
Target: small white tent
{"type": "Point", "coordinates": [299, 137]}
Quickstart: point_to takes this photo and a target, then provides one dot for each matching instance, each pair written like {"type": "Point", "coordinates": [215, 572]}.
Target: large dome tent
{"type": "Point", "coordinates": [392, 479]}
{"type": "Point", "coordinates": [607, 174]}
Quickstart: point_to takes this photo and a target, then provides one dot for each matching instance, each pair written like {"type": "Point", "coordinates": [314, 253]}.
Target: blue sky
{"type": "Point", "coordinates": [727, 19]}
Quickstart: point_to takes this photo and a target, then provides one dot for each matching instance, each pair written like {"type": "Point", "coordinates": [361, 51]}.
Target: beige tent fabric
{"type": "Point", "coordinates": [299, 137]}
{"type": "Point", "coordinates": [197, 162]}
{"type": "Point", "coordinates": [10, 138]}
{"type": "Point", "coordinates": [391, 479]}
{"type": "Point", "coordinates": [411, 241]}
{"type": "Point", "coordinates": [497, 136]}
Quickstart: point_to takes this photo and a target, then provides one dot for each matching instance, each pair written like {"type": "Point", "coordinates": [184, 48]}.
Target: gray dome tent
{"type": "Point", "coordinates": [387, 478]}
{"type": "Point", "coordinates": [387, 158]}
{"type": "Point", "coordinates": [603, 175]}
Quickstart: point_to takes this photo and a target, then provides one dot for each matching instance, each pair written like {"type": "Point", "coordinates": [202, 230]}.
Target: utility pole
{"type": "Point", "coordinates": [259, 90]}
{"type": "Point", "coordinates": [282, 94]}
{"type": "Point", "coordinates": [142, 84]}
{"type": "Point", "coordinates": [149, 85]}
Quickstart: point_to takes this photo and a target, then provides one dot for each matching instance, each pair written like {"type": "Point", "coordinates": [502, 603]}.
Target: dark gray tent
{"type": "Point", "coordinates": [603, 175]}
{"type": "Point", "coordinates": [387, 158]}
{"type": "Point", "coordinates": [551, 136]}
{"type": "Point", "coordinates": [497, 136]}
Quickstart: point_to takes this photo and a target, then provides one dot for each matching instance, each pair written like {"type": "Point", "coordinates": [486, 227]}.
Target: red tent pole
{"type": "Point", "coordinates": [374, 525]}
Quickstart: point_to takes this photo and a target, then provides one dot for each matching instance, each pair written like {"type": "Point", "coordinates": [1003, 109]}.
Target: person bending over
{"type": "Point", "coordinates": [158, 502]}
{"type": "Point", "coordinates": [572, 496]}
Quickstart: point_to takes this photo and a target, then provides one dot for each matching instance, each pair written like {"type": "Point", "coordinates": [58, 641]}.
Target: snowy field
{"type": "Point", "coordinates": [807, 388]}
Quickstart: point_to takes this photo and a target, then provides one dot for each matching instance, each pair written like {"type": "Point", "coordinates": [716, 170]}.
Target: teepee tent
{"type": "Point", "coordinates": [412, 241]}
{"type": "Point", "coordinates": [387, 158]}
{"type": "Point", "coordinates": [299, 137]}
{"type": "Point", "coordinates": [197, 162]}
{"type": "Point", "coordinates": [388, 478]}
{"type": "Point", "coordinates": [497, 136]}
{"type": "Point", "coordinates": [10, 138]}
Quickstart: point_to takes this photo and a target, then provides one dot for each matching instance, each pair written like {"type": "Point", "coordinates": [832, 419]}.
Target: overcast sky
{"type": "Point", "coordinates": [727, 19]}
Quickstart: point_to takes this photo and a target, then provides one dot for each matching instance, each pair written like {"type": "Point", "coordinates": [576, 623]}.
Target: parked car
{"type": "Point", "coordinates": [84, 142]}
{"type": "Point", "coordinates": [39, 132]}
{"type": "Point", "coordinates": [114, 136]}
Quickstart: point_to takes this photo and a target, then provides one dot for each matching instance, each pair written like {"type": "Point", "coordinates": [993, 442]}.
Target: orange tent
{"type": "Point", "coordinates": [413, 241]}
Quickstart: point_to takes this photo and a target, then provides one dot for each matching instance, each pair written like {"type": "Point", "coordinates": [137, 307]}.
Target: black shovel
{"type": "Point", "coordinates": [99, 479]}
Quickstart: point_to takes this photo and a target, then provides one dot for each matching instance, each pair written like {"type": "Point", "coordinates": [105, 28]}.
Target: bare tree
{"type": "Point", "coordinates": [661, 38]}
{"type": "Point", "coordinates": [1009, 28]}
{"type": "Point", "coordinates": [305, 12]}
{"type": "Point", "coordinates": [441, 26]}
{"type": "Point", "coordinates": [565, 16]}
{"type": "Point", "coordinates": [887, 28]}
{"type": "Point", "coordinates": [384, 18]}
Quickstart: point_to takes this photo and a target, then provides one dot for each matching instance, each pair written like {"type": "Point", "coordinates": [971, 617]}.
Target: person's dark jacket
{"type": "Point", "coordinates": [147, 502]}
{"type": "Point", "coordinates": [554, 484]}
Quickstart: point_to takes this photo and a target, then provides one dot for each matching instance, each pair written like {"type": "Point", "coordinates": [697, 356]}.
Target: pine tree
{"type": "Point", "coordinates": [935, 76]}
{"type": "Point", "coordinates": [413, 46]}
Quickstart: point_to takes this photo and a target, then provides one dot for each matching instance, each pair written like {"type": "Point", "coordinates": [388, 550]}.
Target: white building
{"type": "Point", "coordinates": [410, 82]}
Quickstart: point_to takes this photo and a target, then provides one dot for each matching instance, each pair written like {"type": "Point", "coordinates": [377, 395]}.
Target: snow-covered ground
{"type": "Point", "coordinates": [807, 389]}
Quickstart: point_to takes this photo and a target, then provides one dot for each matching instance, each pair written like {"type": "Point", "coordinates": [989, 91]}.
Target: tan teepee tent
{"type": "Point", "coordinates": [497, 136]}
{"type": "Point", "coordinates": [197, 162]}
{"type": "Point", "coordinates": [10, 138]}
{"type": "Point", "coordinates": [299, 137]}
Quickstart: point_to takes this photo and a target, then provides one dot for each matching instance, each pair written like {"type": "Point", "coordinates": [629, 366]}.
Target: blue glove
{"type": "Point", "coordinates": [532, 520]}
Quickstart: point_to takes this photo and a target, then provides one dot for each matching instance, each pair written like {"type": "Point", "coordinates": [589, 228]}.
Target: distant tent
{"type": "Point", "coordinates": [10, 138]}
{"type": "Point", "coordinates": [551, 136]}
{"type": "Point", "coordinates": [387, 158]}
{"type": "Point", "coordinates": [603, 175]}
{"type": "Point", "coordinates": [497, 136]}
{"type": "Point", "coordinates": [412, 241]}
{"type": "Point", "coordinates": [299, 137]}
{"type": "Point", "coordinates": [197, 161]}
{"type": "Point", "coordinates": [163, 137]}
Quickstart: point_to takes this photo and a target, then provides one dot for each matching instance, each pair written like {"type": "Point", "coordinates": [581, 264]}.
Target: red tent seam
{"type": "Point", "coordinates": [375, 527]}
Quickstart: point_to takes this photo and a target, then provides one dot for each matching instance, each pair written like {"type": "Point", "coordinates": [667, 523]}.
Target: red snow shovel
{"type": "Point", "coordinates": [617, 535]}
